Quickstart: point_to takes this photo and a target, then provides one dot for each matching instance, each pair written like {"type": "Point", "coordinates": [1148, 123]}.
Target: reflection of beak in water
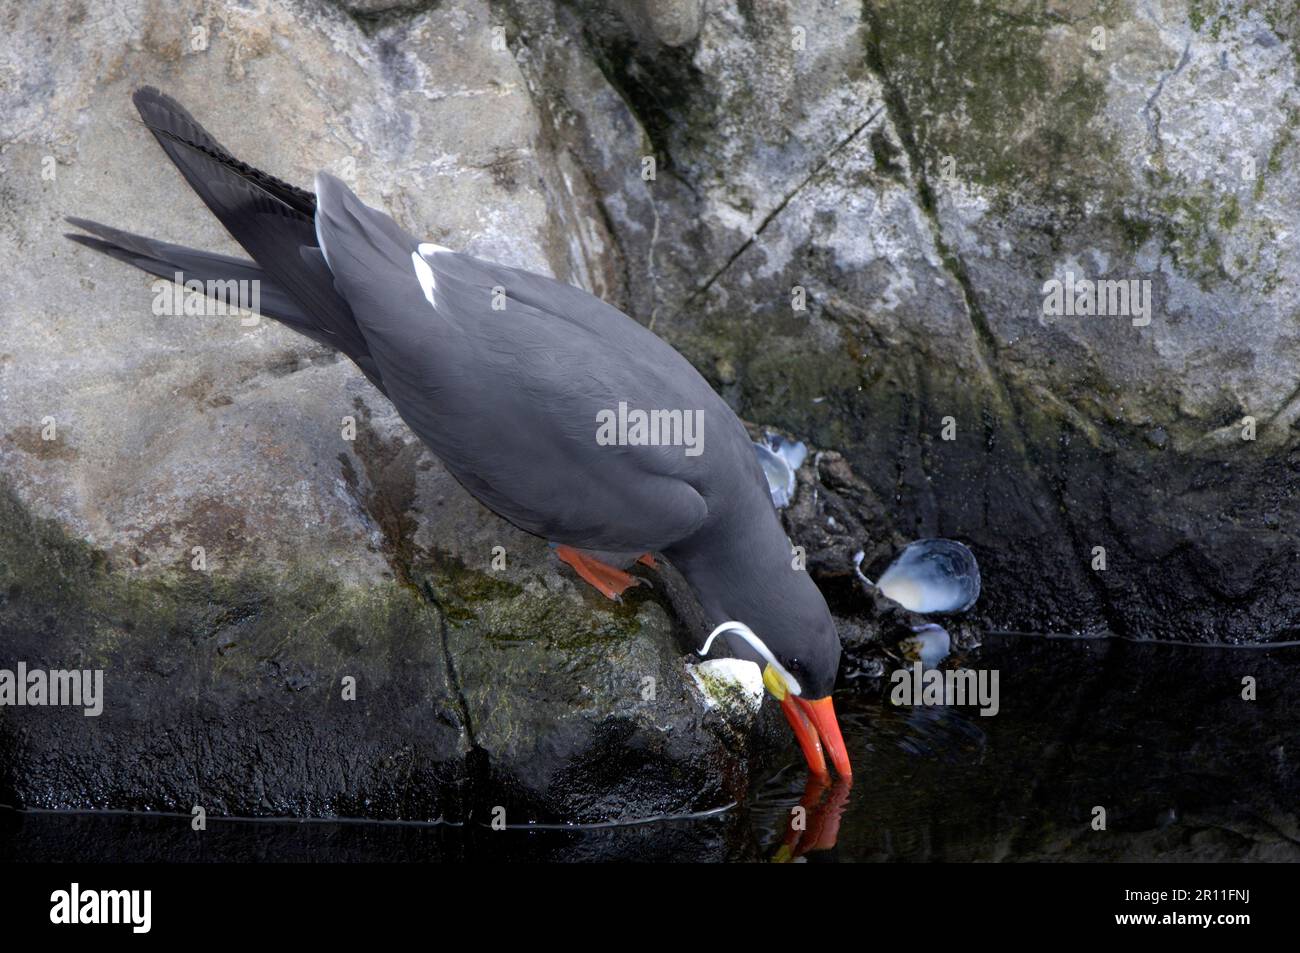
{"type": "Point", "coordinates": [815, 825]}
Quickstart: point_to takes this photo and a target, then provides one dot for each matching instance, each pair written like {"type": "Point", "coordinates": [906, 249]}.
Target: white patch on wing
{"type": "Point", "coordinates": [424, 274]}
{"type": "Point", "coordinates": [422, 270]}
{"type": "Point", "coordinates": [320, 239]}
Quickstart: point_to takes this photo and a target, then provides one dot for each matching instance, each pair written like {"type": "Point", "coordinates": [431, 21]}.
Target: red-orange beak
{"type": "Point", "coordinates": [816, 728]}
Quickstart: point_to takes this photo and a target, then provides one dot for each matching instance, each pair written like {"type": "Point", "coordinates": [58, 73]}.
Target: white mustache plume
{"type": "Point", "coordinates": [746, 633]}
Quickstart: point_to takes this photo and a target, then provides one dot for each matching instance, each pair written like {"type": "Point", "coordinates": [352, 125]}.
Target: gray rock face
{"type": "Point", "coordinates": [334, 547]}
{"type": "Point", "coordinates": [844, 213]}
{"type": "Point", "coordinates": [914, 174]}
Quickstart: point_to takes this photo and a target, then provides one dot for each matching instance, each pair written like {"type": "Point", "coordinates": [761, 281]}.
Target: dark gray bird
{"type": "Point", "coordinates": [556, 410]}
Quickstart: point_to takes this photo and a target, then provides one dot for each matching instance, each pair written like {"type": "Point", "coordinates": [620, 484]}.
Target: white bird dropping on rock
{"type": "Point", "coordinates": [731, 684]}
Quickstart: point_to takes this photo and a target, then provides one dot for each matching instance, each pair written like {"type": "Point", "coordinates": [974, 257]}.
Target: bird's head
{"type": "Point", "coordinates": [799, 669]}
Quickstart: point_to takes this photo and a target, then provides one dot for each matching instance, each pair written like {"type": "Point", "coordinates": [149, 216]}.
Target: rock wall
{"type": "Point", "coordinates": [921, 170]}
{"type": "Point", "coordinates": [334, 546]}
{"type": "Point", "coordinates": [913, 172]}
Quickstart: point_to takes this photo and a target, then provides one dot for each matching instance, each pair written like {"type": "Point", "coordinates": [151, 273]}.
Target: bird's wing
{"type": "Point", "coordinates": [506, 375]}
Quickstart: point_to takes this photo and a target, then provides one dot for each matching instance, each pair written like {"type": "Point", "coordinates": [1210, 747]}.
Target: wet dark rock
{"type": "Point", "coordinates": [62, 838]}
{"type": "Point", "coordinates": [471, 695]}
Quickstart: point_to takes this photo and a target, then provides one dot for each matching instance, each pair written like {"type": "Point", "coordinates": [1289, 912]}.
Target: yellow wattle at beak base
{"type": "Point", "coordinates": [775, 683]}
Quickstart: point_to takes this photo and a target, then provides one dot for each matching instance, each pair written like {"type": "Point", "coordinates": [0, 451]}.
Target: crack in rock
{"type": "Point", "coordinates": [985, 342]}
{"type": "Point", "coordinates": [1151, 112]}
{"type": "Point", "coordinates": [780, 207]}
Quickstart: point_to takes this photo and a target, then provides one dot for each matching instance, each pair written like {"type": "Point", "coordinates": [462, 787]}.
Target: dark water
{"type": "Point", "coordinates": [1158, 735]}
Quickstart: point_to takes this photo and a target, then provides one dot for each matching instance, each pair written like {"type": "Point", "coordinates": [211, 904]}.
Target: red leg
{"type": "Point", "coordinates": [646, 559]}
{"type": "Point", "coordinates": [610, 582]}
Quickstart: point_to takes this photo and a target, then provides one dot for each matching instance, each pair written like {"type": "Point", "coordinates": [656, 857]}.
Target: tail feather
{"type": "Point", "coordinates": [273, 302]}
{"type": "Point", "coordinates": [169, 120]}
{"type": "Point", "coordinates": [271, 219]}
{"type": "Point", "coordinates": [179, 263]}
{"type": "Point", "coordinates": [278, 238]}
{"type": "Point", "coordinates": [127, 246]}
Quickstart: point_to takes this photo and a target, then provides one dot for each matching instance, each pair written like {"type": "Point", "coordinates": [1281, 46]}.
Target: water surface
{"type": "Point", "coordinates": [1157, 735]}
